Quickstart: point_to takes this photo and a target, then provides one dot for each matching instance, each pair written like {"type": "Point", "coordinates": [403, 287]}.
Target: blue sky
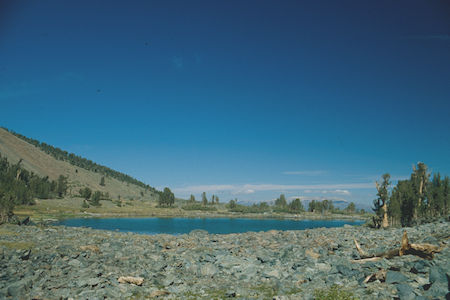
{"type": "Point", "coordinates": [243, 99]}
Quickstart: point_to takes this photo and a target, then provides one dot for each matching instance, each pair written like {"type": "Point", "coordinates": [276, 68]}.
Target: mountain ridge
{"type": "Point", "coordinates": [16, 148]}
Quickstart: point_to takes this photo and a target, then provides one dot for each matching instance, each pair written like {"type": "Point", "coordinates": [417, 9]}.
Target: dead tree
{"type": "Point", "coordinates": [385, 221]}
{"type": "Point", "coordinates": [426, 251]}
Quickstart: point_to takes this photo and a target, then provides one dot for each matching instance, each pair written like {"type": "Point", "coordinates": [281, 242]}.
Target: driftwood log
{"type": "Point", "coordinates": [426, 251]}
{"type": "Point", "coordinates": [130, 279]}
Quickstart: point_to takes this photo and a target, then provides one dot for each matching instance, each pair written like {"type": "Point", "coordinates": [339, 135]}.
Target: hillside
{"type": "Point", "coordinates": [43, 164]}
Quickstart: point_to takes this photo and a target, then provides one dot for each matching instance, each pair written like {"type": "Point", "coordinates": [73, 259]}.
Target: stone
{"type": "Point", "coordinates": [420, 267]}
{"type": "Point", "coordinates": [395, 277]}
{"type": "Point", "coordinates": [74, 263]}
{"type": "Point", "coordinates": [437, 291]}
{"type": "Point", "coordinates": [25, 255]}
{"type": "Point", "coordinates": [94, 281]}
{"type": "Point", "coordinates": [405, 292]}
{"type": "Point", "coordinates": [346, 270]}
{"type": "Point", "coordinates": [18, 289]}
{"type": "Point", "coordinates": [437, 274]}
{"type": "Point", "coordinates": [198, 232]}
{"type": "Point", "coordinates": [273, 273]}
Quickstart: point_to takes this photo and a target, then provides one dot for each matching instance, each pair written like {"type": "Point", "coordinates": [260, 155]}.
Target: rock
{"type": "Point", "coordinates": [437, 275]}
{"type": "Point", "coordinates": [230, 294]}
{"type": "Point", "coordinates": [18, 289]}
{"type": "Point", "coordinates": [74, 263]}
{"type": "Point", "coordinates": [395, 277]}
{"type": "Point", "coordinates": [257, 265]}
{"type": "Point", "coordinates": [437, 291]}
{"type": "Point", "coordinates": [94, 281]}
{"type": "Point", "coordinates": [25, 221]}
{"type": "Point", "coordinates": [323, 267]}
{"type": "Point", "coordinates": [208, 270]}
{"type": "Point", "coordinates": [25, 255]}
{"type": "Point", "coordinates": [158, 293]}
{"type": "Point", "coordinates": [405, 292]}
{"type": "Point", "coordinates": [346, 270]}
{"type": "Point", "coordinates": [272, 273]}
{"type": "Point", "coordinates": [420, 267]}
{"type": "Point", "coordinates": [198, 232]}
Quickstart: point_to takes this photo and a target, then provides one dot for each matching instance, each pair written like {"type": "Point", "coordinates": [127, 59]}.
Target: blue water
{"type": "Point", "coordinates": [212, 225]}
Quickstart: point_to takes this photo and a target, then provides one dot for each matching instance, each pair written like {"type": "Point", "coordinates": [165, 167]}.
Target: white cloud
{"type": "Point", "coordinates": [244, 192]}
{"type": "Point", "coordinates": [337, 191]}
{"type": "Point", "coordinates": [318, 198]}
{"type": "Point", "coordinates": [307, 173]}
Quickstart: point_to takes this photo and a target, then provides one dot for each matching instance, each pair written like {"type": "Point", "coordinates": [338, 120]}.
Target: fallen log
{"type": "Point", "coordinates": [426, 251]}
{"type": "Point", "coordinates": [129, 279]}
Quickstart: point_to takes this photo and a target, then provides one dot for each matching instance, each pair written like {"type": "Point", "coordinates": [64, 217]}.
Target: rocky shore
{"type": "Point", "coordinates": [56, 262]}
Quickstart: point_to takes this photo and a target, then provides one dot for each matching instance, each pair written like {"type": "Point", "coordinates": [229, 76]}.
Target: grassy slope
{"type": "Point", "coordinates": [44, 164]}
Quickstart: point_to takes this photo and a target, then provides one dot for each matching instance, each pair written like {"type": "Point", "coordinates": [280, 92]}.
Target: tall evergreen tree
{"type": "Point", "coordinates": [296, 206]}
{"type": "Point", "coordinates": [95, 200]}
{"type": "Point", "coordinates": [351, 208]}
{"type": "Point", "coordinates": [167, 198]}
{"type": "Point", "coordinates": [204, 199]}
{"type": "Point", "coordinates": [281, 202]}
{"type": "Point", "coordinates": [61, 188]}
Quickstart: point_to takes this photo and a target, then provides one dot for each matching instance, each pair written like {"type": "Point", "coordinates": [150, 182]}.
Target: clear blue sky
{"type": "Point", "coordinates": [245, 99]}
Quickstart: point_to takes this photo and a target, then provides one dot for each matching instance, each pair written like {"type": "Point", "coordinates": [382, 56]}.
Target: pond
{"type": "Point", "coordinates": [212, 225]}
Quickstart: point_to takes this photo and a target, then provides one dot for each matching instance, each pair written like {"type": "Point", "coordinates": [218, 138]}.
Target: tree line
{"type": "Point", "coordinates": [19, 187]}
{"type": "Point", "coordinates": [413, 200]}
{"type": "Point", "coordinates": [82, 162]}
{"type": "Point", "coordinates": [281, 205]}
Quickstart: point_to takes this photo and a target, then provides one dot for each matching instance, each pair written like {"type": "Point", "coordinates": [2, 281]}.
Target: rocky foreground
{"type": "Point", "coordinates": [45, 262]}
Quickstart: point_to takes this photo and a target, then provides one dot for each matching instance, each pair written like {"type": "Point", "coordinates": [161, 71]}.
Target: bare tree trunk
{"type": "Point", "coordinates": [385, 222]}
{"type": "Point", "coordinates": [426, 251]}
{"type": "Point", "coordinates": [385, 216]}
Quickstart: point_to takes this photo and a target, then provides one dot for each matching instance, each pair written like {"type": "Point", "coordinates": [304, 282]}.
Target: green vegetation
{"type": "Point", "coordinates": [82, 162]}
{"type": "Point", "coordinates": [253, 209]}
{"type": "Point", "coordinates": [198, 206]}
{"type": "Point", "coordinates": [413, 200]}
{"type": "Point", "coordinates": [321, 206]}
{"type": "Point", "coordinates": [95, 200]}
{"type": "Point", "coordinates": [166, 198]}
{"type": "Point", "coordinates": [204, 199]}
{"type": "Point", "coordinates": [333, 293]}
{"type": "Point", "coordinates": [19, 187]}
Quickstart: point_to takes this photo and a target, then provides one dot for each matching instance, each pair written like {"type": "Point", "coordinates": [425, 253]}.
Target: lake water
{"type": "Point", "coordinates": [212, 225]}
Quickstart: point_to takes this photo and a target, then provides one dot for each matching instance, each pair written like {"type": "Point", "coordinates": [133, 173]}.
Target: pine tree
{"type": "Point", "coordinates": [86, 193]}
{"type": "Point", "coordinates": [281, 202]}
{"type": "Point", "coordinates": [296, 206]}
{"type": "Point", "coordinates": [166, 198]}
{"type": "Point", "coordinates": [204, 199]}
{"type": "Point", "coordinates": [95, 200]}
{"type": "Point", "coordinates": [61, 187]}
{"type": "Point", "coordinates": [351, 208]}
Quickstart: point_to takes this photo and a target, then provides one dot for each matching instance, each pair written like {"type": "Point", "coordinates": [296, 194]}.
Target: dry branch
{"type": "Point", "coordinates": [422, 250]}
